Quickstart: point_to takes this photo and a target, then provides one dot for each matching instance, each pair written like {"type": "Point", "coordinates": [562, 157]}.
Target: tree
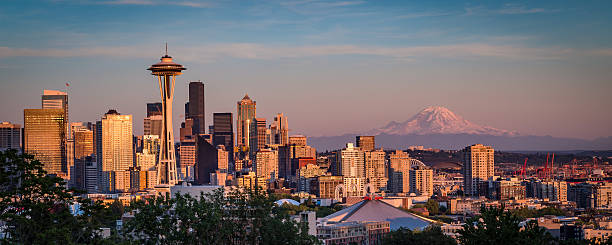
{"type": "Point", "coordinates": [432, 206]}
{"type": "Point", "coordinates": [35, 207]}
{"type": "Point", "coordinates": [237, 217]}
{"type": "Point", "coordinates": [431, 235]}
{"type": "Point", "coordinates": [496, 226]}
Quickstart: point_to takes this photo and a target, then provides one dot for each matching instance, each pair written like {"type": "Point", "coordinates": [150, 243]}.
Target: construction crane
{"type": "Point", "coordinates": [524, 166]}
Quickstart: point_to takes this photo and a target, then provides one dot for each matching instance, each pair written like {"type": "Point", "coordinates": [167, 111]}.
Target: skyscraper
{"type": "Point", "coordinates": [421, 180]}
{"type": "Point", "coordinates": [197, 107]}
{"type": "Point", "coordinates": [366, 143]}
{"type": "Point", "coordinates": [166, 72]}
{"type": "Point", "coordinates": [117, 153]}
{"type": "Point", "coordinates": [266, 164]}
{"type": "Point", "coordinates": [280, 130]}
{"type": "Point", "coordinates": [83, 148]}
{"type": "Point", "coordinates": [44, 137]}
{"type": "Point", "coordinates": [223, 133]}
{"type": "Point", "coordinates": [246, 110]}
{"type": "Point", "coordinates": [53, 99]}
{"type": "Point", "coordinates": [153, 125]}
{"type": "Point", "coordinates": [154, 109]}
{"type": "Point", "coordinates": [257, 135]}
{"type": "Point", "coordinates": [375, 169]}
{"type": "Point", "coordinates": [478, 166]}
{"type": "Point", "coordinates": [10, 136]}
{"type": "Point", "coordinates": [351, 161]}
{"type": "Point", "coordinates": [399, 172]}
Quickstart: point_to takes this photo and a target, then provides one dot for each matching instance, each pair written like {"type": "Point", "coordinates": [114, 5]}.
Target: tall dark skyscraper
{"type": "Point", "coordinates": [196, 107]}
{"type": "Point", "coordinates": [154, 109]}
{"type": "Point", "coordinates": [223, 132]}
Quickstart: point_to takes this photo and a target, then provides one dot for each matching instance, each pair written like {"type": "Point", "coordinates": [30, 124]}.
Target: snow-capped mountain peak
{"type": "Point", "coordinates": [438, 120]}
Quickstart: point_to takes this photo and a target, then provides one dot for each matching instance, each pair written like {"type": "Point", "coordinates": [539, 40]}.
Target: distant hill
{"type": "Point", "coordinates": [438, 127]}
{"type": "Point", "coordinates": [459, 141]}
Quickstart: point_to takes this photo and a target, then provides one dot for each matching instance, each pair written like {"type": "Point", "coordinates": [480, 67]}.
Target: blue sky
{"type": "Point", "coordinates": [333, 67]}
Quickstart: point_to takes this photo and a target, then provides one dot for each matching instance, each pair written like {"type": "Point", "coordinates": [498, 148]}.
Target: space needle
{"type": "Point", "coordinates": [166, 71]}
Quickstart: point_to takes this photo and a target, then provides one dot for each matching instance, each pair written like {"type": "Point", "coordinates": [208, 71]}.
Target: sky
{"type": "Point", "coordinates": [332, 67]}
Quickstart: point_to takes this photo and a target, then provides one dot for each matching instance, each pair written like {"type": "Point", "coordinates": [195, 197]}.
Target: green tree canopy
{"type": "Point", "coordinates": [496, 226]}
{"type": "Point", "coordinates": [35, 207]}
{"type": "Point", "coordinates": [215, 218]}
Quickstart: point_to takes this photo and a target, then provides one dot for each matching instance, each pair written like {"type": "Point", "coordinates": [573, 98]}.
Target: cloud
{"type": "Point", "coordinates": [195, 4]}
{"type": "Point", "coordinates": [252, 51]}
{"type": "Point", "coordinates": [422, 15]}
{"type": "Point", "coordinates": [520, 9]}
{"type": "Point", "coordinates": [507, 9]}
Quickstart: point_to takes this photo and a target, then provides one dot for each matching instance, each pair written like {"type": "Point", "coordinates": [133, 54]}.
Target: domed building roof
{"type": "Point", "coordinates": [288, 201]}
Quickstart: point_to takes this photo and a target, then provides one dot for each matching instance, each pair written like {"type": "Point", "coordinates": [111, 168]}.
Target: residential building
{"type": "Point", "coordinates": [421, 180]}
{"type": "Point", "coordinates": [10, 136]}
{"type": "Point", "coordinates": [266, 164]}
{"type": "Point", "coordinates": [399, 172]}
{"type": "Point", "coordinates": [376, 169]}
{"type": "Point", "coordinates": [117, 153]}
{"type": "Point", "coordinates": [478, 166]}
{"type": "Point", "coordinates": [351, 162]}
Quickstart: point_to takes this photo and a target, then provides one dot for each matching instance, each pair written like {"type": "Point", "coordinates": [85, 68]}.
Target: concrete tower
{"type": "Point", "coordinates": [166, 72]}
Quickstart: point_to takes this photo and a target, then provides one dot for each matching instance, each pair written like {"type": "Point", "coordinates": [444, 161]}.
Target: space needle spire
{"type": "Point", "coordinates": [166, 71]}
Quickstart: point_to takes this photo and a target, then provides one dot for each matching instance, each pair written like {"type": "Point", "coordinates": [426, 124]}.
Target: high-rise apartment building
{"type": "Point", "coordinates": [421, 180]}
{"type": "Point", "coordinates": [478, 166]}
{"type": "Point", "coordinates": [223, 133]}
{"type": "Point", "coordinates": [279, 130]}
{"type": "Point", "coordinates": [53, 99]}
{"type": "Point", "coordinates": [366, 143]}
{"type": "Point", "coordinates": [10, 136]}
{"type": "Point", "coordinates": [351, 162]}
{"type": "Point", "coordinates": [117, 153]}
{"type": "Point", "coordinates": [257, 135]}
{"type": "Point", "coordinates": [266, 164]}
{"type": "Point", "coordinates": [197, 107]}
{"type": "Point", "coordinates": [399, 172]}
{"type": "Point", "coordinates": [246, 111]}
{"type": "Point", "coordinates": [375, 169]}
{"type": "Point", "coordinates": [154, 109]}
{"type": "Point", "coordinates": [44, 137]}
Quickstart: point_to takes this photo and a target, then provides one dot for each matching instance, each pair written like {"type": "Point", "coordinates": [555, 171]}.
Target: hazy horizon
{"type": "Point", "coordinates": [538, 68]}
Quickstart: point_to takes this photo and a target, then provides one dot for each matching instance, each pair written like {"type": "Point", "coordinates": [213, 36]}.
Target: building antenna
{"type": "Point", "coordinates": [166, 48]}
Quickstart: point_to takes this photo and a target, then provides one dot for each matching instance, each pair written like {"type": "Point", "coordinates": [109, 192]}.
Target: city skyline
{"type": "Point", "coordinates": [548, 71]}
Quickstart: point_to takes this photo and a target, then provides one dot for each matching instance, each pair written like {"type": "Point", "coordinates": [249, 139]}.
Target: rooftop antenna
{"type": "Point", "coordinates": [166, 48]}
